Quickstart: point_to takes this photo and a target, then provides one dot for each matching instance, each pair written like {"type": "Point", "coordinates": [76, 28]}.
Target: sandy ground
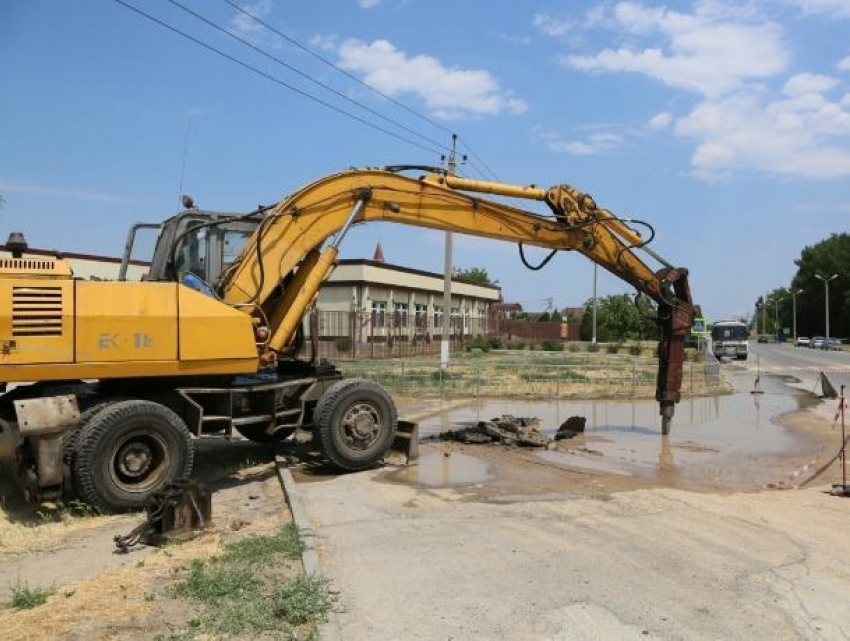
{"type": "Point", "coordinates": [479, 542]}
{"type": "Point", "coordinates": [102, 594]}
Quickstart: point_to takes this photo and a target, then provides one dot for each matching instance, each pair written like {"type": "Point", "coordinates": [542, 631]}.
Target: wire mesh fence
{"type": "Point", "coordinates": [533, 375]}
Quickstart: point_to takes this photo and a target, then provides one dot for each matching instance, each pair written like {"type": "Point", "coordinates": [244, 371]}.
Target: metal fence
{"type": "Point", "coordinates": [534, 375]}
{"type": "Point", "coordinates": [379, 335]}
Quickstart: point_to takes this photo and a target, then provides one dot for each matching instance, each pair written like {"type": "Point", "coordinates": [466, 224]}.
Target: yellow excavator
{"type": "Point", "coordinates": [114, 381]}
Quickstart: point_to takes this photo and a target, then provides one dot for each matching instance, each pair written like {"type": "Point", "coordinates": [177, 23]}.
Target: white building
{"type": "Point", "coordinates": [88, 266]}
{"type": "Point", "coordinates": [373, 300]}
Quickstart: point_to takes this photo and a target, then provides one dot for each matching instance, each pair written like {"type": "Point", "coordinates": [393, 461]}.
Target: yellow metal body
{"type": "Point", "coordinates": [60, 328]}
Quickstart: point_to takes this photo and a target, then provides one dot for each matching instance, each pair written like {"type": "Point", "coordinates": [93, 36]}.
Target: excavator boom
{"type": "Point", "coordinates": [285, 263]}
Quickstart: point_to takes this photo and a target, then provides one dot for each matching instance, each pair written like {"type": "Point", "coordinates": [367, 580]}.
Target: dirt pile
{"type": "Point", "coordinates": [511, 431]}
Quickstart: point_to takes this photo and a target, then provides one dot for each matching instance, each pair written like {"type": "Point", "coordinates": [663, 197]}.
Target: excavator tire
{"type": "Point", "coordinates": [355, 422]}
{"type": "Point", "coordinates": [128, 451]}
{"type": "Point", "coordinates": [72, 436]}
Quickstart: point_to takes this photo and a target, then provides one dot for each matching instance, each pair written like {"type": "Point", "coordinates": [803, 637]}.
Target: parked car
{"type": "Point", "coordinates": [817, 342]}
{"type": "Point", "coordinates": [802, 341]}
{"type": "Point", "coordinates": [833, 344]}
{"type": "Point", "coordinates": [763, 339]}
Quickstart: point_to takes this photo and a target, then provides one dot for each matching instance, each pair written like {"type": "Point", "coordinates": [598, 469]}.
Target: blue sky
{"type": "Point", "coordinates": [727, 126]}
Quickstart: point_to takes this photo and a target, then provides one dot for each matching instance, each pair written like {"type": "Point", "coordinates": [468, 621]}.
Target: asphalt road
{"type": "Point", "coordinates": [801, 362]}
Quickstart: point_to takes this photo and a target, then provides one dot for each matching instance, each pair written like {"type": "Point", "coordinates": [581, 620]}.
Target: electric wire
{"type": "Point", "coordinates": [306, 76]}
{"type": "Point", "coordinates": [273, 78]}
{"type": "Point", "coordinates": [375, 90]}
{"type": "Point", "coordinates": [329, 63]}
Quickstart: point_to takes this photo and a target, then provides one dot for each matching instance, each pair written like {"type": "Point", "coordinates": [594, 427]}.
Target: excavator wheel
{"type": "Point", "coordinates": [355, 422]}
{"type": "Point", "coordinates": [127, 451]}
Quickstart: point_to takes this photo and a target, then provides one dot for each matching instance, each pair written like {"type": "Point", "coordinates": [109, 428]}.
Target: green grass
{"type": "Point", "coordinates": [257, 549]}
{"type": "Point", "coordinates": [242, 591]}
{"type": "Point", "coordinates": [303, 599]}
{"type": "Point", "coordinates": [25, 597]}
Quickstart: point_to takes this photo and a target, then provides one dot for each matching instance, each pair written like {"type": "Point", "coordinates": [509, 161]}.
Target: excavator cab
{"type": "Point", "coordinates": [207, 243]}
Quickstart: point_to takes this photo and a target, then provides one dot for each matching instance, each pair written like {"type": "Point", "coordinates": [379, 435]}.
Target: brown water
{"type": "Point", "coordinates": [445, 469]}
{"type": "Point", "coordinates": [731, 441]}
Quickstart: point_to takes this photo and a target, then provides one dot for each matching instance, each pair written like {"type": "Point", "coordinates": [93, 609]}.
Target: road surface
{"type": "Point", "coordinates": [801, 362]}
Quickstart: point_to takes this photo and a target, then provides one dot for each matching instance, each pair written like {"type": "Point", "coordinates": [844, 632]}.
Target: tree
{"type": "Point", "coordinates": [828, 257]}
{"type": "Point", "coordinates": [773, 313]}
{"type": "Point", "coordinates": [474, 276]}
{"type": "Point", "coordinates": [619, 318]}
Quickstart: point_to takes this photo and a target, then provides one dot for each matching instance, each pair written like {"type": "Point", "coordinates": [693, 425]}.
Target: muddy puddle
{"type": "Point", "coordinates": [445, 469]}
{"type": "Point", "coordinates": [732, 442]}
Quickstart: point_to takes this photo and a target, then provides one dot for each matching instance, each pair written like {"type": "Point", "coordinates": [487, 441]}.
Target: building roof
{"type": "Point", "coordinates": [55, 253]}
{"type": "Point", "coordinates": [407, 270]}
{"type": "Point", "coordinates": [379, 254]}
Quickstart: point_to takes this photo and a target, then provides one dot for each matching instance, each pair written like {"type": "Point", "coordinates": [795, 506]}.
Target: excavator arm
{"type": "Point", "coordinates": [285, 263]}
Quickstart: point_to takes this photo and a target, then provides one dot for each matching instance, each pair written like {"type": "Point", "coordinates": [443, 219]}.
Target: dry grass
{"type": "Point", "coordinates": [29, 529]}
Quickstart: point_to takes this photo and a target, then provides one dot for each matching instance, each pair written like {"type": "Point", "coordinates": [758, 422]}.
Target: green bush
{"type": "Point", "coordinates": [479, 342]}
{"type": "Point", "coordinates": [552, 346]}
{"type": "Point", "coordinates": [635, 349]}
{"type": "Point", "coordinates": [495, 342]}
{"type": "Point", "coordinates": [613, 348]}
{"type": "Point", "coordinates": [573, 347]}
{"type": "Point", "coordinates": [343, 344]}
{"type": "Point", "coordinates": [515, 345]}
{"type": "Point", "coordinates": [593, 347]}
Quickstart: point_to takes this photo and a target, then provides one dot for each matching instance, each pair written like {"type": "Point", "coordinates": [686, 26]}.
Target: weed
{"type": "Point", "coordinates": [207, 584]}
{"type": "Point", "coordinates": [552, 346]}
{"type": "Point", "coordinates": [25, 597]}
{"type": "Point", "coordinates": [304, 598]}
{"type": "Point", "coordinates": [258, 549]}
{"type": "Point", "coordinates": [593, 347]}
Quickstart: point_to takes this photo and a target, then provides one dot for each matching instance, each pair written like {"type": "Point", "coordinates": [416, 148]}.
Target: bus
{"type": "Point", "coordinates": [729, 338]}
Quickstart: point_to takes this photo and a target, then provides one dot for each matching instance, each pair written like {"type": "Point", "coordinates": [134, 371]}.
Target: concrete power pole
{"type": "Point", "coordinates": [451, 166]}
{"type": "Point", "coordinates": [594, 303]}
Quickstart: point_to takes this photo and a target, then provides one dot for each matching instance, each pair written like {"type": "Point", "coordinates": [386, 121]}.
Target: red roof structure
{"type": "Point", "coordinates": [379, 254]}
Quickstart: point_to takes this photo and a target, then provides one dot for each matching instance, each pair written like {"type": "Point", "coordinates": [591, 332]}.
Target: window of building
{"type": "Point", "coordinates": [400, 310]}
{"type": "Point", "coordinates": [379, 313]}
{"type": "Point", "coordinates": [421, 314]}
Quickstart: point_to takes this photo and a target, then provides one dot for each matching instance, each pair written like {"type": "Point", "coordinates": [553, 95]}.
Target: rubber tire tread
{"type": "Point", "coordinates": [72, 437]}
{"type": "Point", "coordinates": [83, 471]}
{"type": "Point", "coordinates": [324, 428]}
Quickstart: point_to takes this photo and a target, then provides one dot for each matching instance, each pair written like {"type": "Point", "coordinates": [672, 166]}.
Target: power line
{"type": "Point", "coordinates": [275, 79]}
{"type": "Point", "coordinates": [322, 58]}
{"type": "Point", "coordinates": [351, 76]}
{"type": "Point", "coordinates": [305, 75]}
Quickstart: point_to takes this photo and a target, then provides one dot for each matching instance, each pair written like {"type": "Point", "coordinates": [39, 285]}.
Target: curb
{"type": "Point", "coordinates": [329, 630]}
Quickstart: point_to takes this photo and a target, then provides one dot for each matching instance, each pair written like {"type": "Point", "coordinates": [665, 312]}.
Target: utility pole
{"type": "Point", "coordinates": [776, 317]}
{"type": "Point", "coordinates": [594, 303]}
{"type": "Point", "coordinates": [826, 287]}
{"type": "Point", "coordinates": [451, 168]}
{"type": "Point", "coordinates": [794, 293]}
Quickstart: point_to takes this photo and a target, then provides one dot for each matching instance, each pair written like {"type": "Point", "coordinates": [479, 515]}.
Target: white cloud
{"type": "Point", "coordinates": [829, 8]}
{"type": "Point", "coordinates": [807, 83]}
{"type": "Point", "coordinates": [712, 51]}
{"type": "Point", "coordinates": [802, 134]}
{"type": "Point", "coordinates": [11, 185]}
{"type": "Point", "coordinates": [368, 4]}
{"type": "Point", "coordinates": [594, 144]}
{"type": "Point", "coordinates": [844, 64]}
{"type": "Point", "coordinates": [513, 39]}
{"type": "Point", "coordinates": [326, 41]}
{"type": "Point", "coordinates": [447, 92]}
{"type": "Point", "coordinates": [249, 29]}
{"type": "Point", "coordinates": [660, 121]}
{"type": "Point", "coordinates": [551, 25]}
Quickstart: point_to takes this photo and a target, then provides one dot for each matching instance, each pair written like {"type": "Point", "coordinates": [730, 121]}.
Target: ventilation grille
{"type": "Point", "coordinates": [28, 264]}
{"type": "Point", "coordinates": [36, 311]}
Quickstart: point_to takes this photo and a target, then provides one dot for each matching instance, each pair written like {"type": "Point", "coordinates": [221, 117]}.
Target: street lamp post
{"type": "Point", "coordinates": [794, 293]}
{"type": "Point", "coordinates": [826, 289]}
{"type": "Point", "coordinates": [776, 317]}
